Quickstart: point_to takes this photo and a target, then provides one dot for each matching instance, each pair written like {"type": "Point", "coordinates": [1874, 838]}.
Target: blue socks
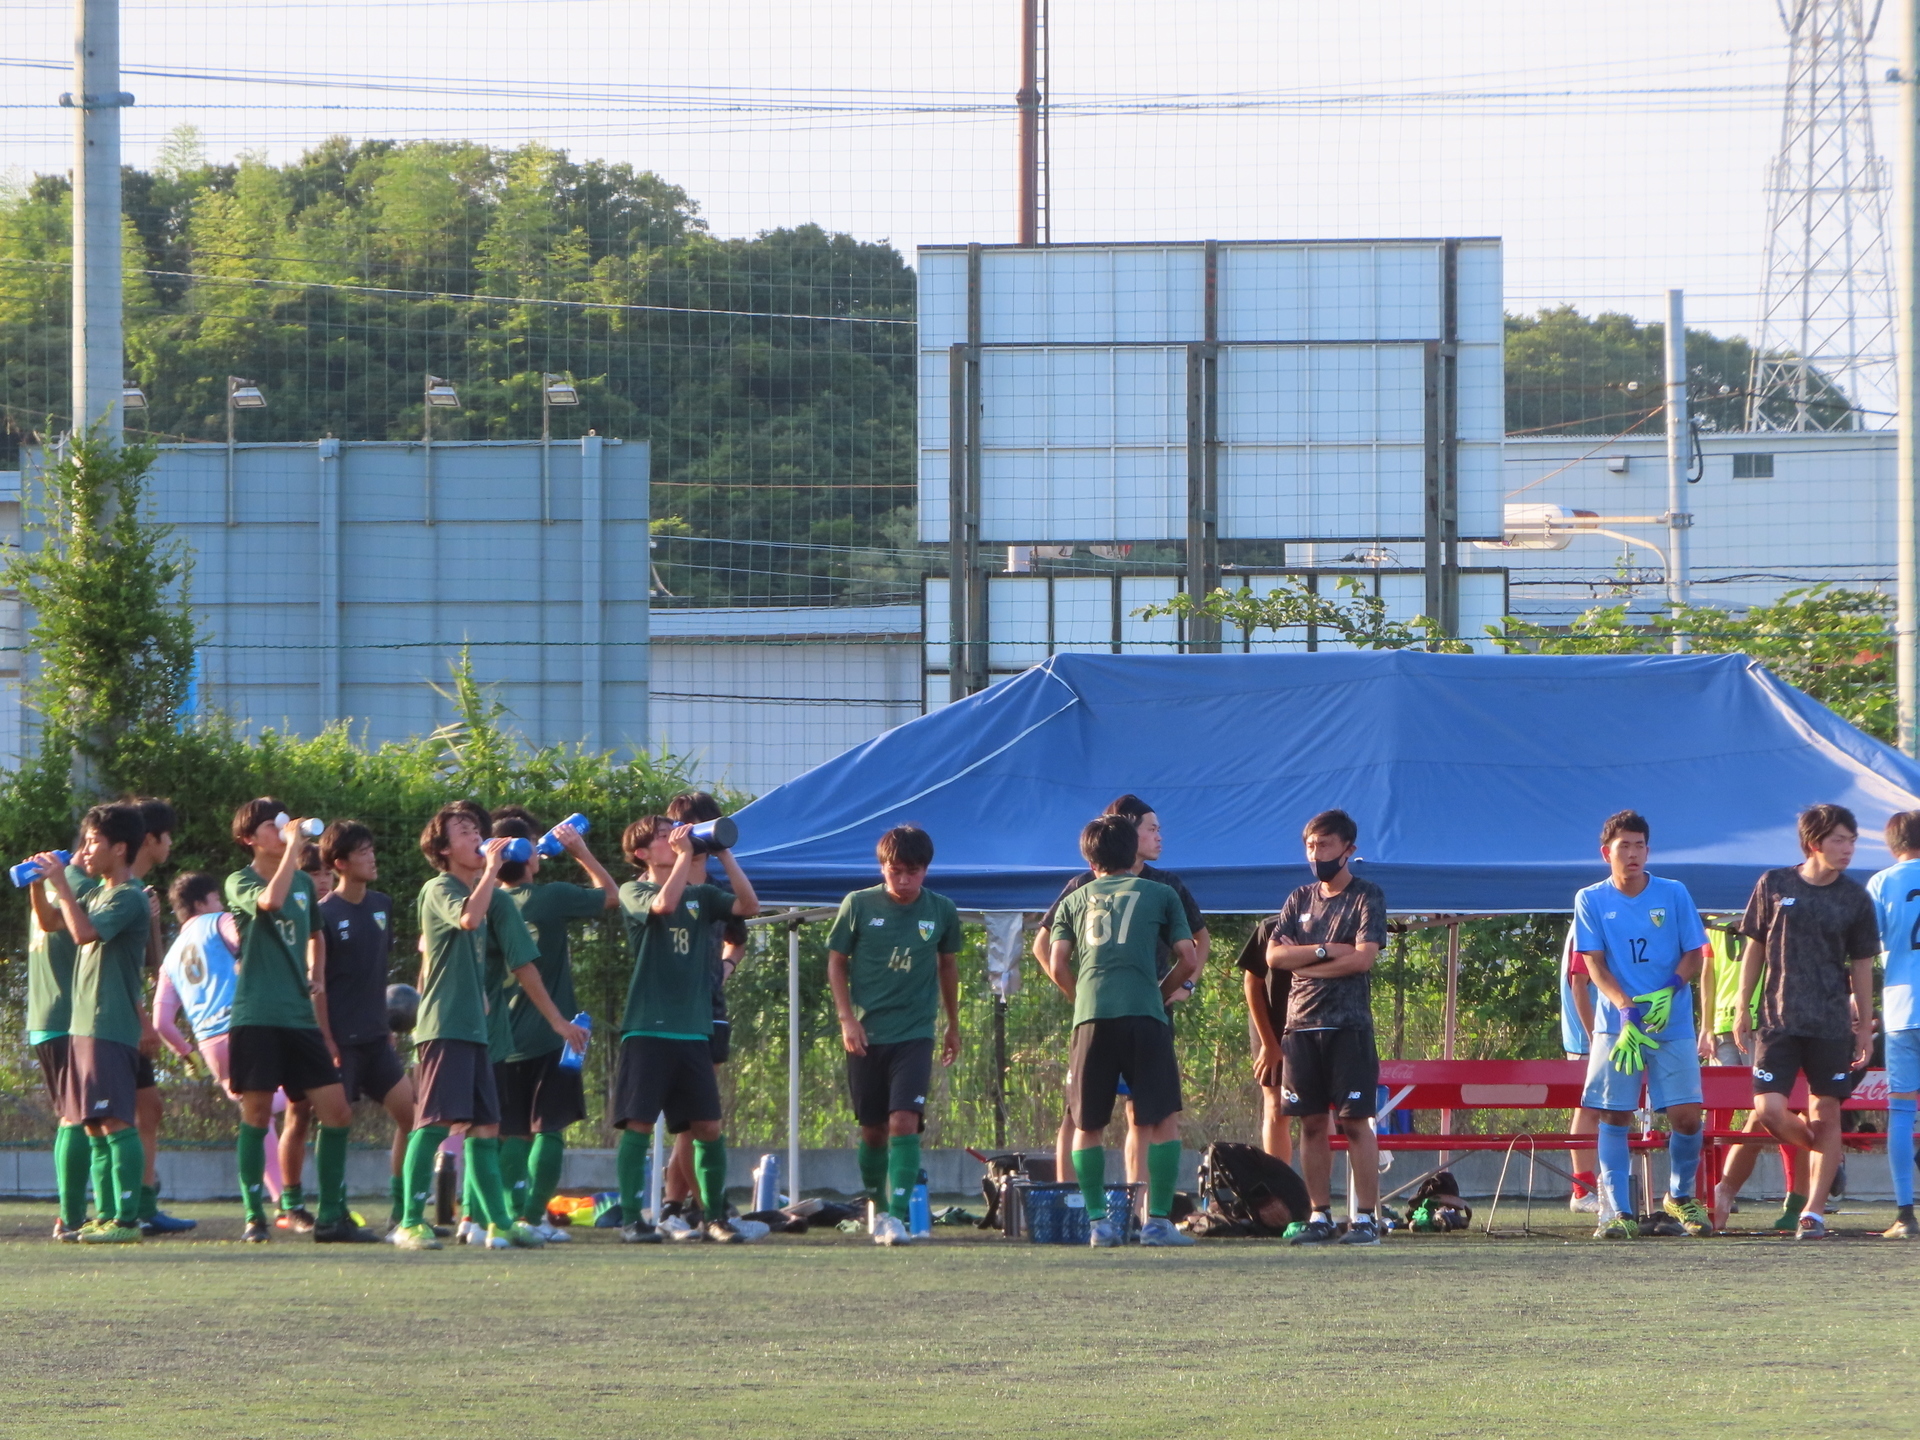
{"type": "Point", "coordinates": [1616, 1167]}
{"type": "Point", "coordinates": [1683, 1162]}
{"type": "Point", "coordinates": [1900, 1149]}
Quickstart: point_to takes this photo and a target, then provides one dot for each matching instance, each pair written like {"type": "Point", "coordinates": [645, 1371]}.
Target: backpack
{"type": "Point", "coordinates": [1436, 1207]}
{"type": "Point", "coordinates": [1236, 1181]}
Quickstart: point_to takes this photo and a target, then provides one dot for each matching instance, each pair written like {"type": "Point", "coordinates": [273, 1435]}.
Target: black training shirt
{"type": "Point", "coordinates": [1812, 934]}
{"type": "Point", "coordinates": [359, 941]}
{"type": "Point", "coordinates": [1356, 916]}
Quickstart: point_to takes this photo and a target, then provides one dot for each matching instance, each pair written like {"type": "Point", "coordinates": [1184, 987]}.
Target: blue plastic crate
{"type": "Point", "coordinates": [1057, 1215]}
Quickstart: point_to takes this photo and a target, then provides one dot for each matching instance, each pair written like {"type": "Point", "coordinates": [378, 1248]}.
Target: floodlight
{"type": "Point", "coordinates": [132, 397]}
{"type": "Point", "coordinates": [559, 390]}
{"type": "Point", "coordinates": [441, 395]}
{"type": "Point", "coordinates": [244, 395]}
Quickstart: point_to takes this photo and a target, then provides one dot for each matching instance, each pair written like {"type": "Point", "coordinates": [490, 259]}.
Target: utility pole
{"type": "Point", "coordinates": [1678, 441]}
{"type": "Point", "coordinates": [1906, 291]}
{"type": "Point", "coordinates": [1035, 223]}
{"type": "Point", "coordinates": [99, 349]}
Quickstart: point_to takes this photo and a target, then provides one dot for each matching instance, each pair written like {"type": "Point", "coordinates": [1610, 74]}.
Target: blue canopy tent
{"type": "Point", "coordinates": [1479, 782]}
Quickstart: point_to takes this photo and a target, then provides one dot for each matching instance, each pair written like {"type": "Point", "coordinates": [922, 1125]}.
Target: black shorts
{"type": "Point", "coordinates": [1335, 1070]}
{"type": "Point", "coordinates": [1780, 1059]}
{"type": "Point", "coordinates": [370, 1068]}
{"type": "Point", "coordinates": [279, 1057]}
{"type": "Point", "coordinates": [539, 1096]}
{"type": "Point", "coordinates": [1134, 1048]}
{"type": "Point", "coordinates": [671, 1076]}
{"type": "Point", "coordinates": [453, 1084]}
{"type": "Point", "coordinates": [720, 1043]}
{"type": "Point", "coordinates": [56, 1058]}
{"type": "Point", "coordinates": [144, 1077]}
{"type": "Point", "coordinates": [889, 1078]}
{"type": "Point", "coordinates": [101, 1078]}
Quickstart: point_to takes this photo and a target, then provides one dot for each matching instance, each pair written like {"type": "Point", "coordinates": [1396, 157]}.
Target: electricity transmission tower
{"type": "Point", "coordinates": [1825, 347]}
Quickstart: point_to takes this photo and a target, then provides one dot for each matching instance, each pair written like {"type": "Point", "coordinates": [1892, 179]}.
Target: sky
{"type": "Point", "coordinates": [1617, 149]}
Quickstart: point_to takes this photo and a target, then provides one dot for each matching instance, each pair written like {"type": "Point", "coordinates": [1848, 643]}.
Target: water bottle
{"type": "Point", "coordinates": [446, 1185]}
{"type": "Point", "coordinates": [312, 829]}
{"type": "Point", "coordinates": [714, 836]}
{"type": "Point", "coordinates": [552, 848]}
{"type": "Point", "coordinates": [27, 871]}
{"type": "Point", "coordinates": [516, 849]}
{"type": "Point", "coordinates": [766, 1183]}
{"type": "Point", "coordinates": [919, 1210]}
{"type": "Point", "coordinates": [570, 1058]}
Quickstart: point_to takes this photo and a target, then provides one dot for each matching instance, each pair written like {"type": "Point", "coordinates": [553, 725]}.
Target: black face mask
{"type": "Point", "coordinates": [1329, 870]}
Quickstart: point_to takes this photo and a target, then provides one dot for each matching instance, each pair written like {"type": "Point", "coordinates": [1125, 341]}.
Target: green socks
{"type": "Point", "coordinates": [471, 1206]}
{"type": "Point", "coordinates": [129, 1167]}
{"type": "Point", "coordinates": [292, 1197]}
{"type": "Point", "coordinates": [330, 1160]}
{"type": "Point", "coordinates": [483, 1163]}
{"type": "Point", "coordinates": [515, 1153]}
{"type": "Point", "coordinates": [149, 1194]}
{"type": "Point", "coordinates": [873, 1172]}
{"type": "Point", "coordinates": [100, 1177]}
{"type": "Point", "coordinates": [417, 1173]}
{"type": "Point", "coordinates": [710, 1167]}
{"type": "Point", "coordinates": [251, 1152]}
{"type": "Point", "coordinates": [1090, 1168]}
{"type": "Point", "coordinates": [903, 1173]}
{"type": "Point", "coordinates": [72, 1162]}
{"type": "Point", "coordinates": [1163, 1173]}
{"type": "Point", "coordinates": [630, 1166]}
{"type": "Point", "coordinates": [397, 1197]}
{"type": "Point", "coordinates": [1789, 1218]}
{"type": "Point", "coordinates": [543, 1180]}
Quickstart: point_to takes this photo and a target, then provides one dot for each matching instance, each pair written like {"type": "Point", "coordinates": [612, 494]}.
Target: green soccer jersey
{"type": "Point", "coordinates": [50, 959]}
{"type": "Point", "coordinates": [1723, 955]}
{"type": "Point", "coordinates": [893, 960]}
{"type": "Point", "coordinates": [272, 987]}
{"type": "Point", "coordinates": [108, 972]}
{"type": "Point", "coordinates": [671, 993]}
{"type": "Point", "coordinates": [509, 945]}
{"type": "Point", "coordinates": [548, 909]}
{"type": "Point", "coordinates": [453, 986]}
{"type": "Point", "coordinates": [1115, 926]}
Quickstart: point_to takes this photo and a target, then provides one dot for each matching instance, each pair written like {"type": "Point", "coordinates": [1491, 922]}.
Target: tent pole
{"type": "Point", "coordinates": [793, 1059]}
{"type": "Point", "coordinates": [1452, 1020]}
{"type": "Point", "coordinates": [999, 1072]}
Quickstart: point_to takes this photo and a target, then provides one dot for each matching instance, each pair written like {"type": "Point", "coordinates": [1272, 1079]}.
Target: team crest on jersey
{"type": "Point", "coordinates": [300, 900]}
{"type": "Point", "coordinates": [693, 908]}
{"type": "Point", "coordinates": [1658, 917]}
{"type": "Point", "coordinates": [926, 929]}
{"type": "Point", "coordinates": [380, 918]}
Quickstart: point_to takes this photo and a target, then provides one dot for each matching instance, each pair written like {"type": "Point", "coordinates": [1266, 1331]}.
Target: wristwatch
{"type": "Point", "coordinates": [1319, 952]}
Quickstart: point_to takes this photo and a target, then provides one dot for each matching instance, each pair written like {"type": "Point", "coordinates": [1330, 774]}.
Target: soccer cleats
{"type": "Point", "coordinates": [639, 1233]}
{"type": "Point", "coordinates": [161, 1223]}
{"type": "Point", "coordinates": [67, 1234]}
{"type": "Point", "coordinates": [678, 1228]}
{"type": "Point", "coordinates": [1587, 1204]}
{"type": "Point", "coordinates": [1159, 1230]}
{"type": "Point", "coordinates": [1364, 1231]}
{"type": "Point", "coordinates": [115, 1234]}
{"type": "Point", "coordinates": [1315, 1232]}
{"type": "Point", "coordinates": [415, 1237]}
{"type": "Point", "coordinates": [1903, 1228]}
{"type": "Point", "coordinates": [1690, 1213]}
{"type": "Point", "coordinates": [1618, 1228]}
{"type": "Point", "coordinates": [256, 1233]}
{"type": "Point", "coordinates": [1811, 1227]}
{"type": "Point", "coordinates": [344, 1232]}
{"type": "Point", "coordinates": [721, 1232]}
{"type": "Point", "coordinates": [1104, 1234]}
{"type": "Point", "coordinates": [887, 1230]}
{"type": "Point", "coordinates": [299, 1220]}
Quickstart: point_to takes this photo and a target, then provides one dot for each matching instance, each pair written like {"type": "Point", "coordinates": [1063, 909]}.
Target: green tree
{"type": "Point", "coordinates": [1355, 615]}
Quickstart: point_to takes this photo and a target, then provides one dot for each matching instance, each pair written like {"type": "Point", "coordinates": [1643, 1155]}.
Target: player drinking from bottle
{"type": "Point", "coordinates": [666, 1031]}
{"type": "Point", "coordinates": [1103, 956]}
{"type": "Point", "coordinates": [50, 957]}
{"type": "Point", "coordinates": [1643, 943]}
{"type": "Point", "coordinates": [1895, 892]}
{"type": "Point", "coordinates": [1812, 937]}
{"type": "Point", "coordinates": [540, 1097]}
{"type": "Point", "coordinates": [893, 961]}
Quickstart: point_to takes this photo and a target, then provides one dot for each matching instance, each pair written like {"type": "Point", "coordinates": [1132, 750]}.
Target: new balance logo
{"type": "Point", "coordinates": [877, 921]}
{"type": "Point", "coordinates": [1353, 1094]}
{"type": "Point", "coordinates": [1788, 900]}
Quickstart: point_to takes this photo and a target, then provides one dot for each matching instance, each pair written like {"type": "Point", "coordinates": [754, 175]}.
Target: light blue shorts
{"type": "Point", "coordinates": [1903, 1061]}
{"type": "Point", "coordinates": [1672, 1076]}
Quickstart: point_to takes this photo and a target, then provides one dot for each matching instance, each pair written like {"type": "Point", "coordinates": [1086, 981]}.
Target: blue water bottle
{"type": "Point", "coordinates": [570, 1058]}
{"type": "Point", "coordinates": [550, 847]}
{"type": "Point", "coordinates": [26, 872]}
{"type": "Point", "coordinates": [766, 1183]}
{"type": "Point", "coordinates": [919, 1210]}
{"type": "Point", "coordinates": [516, 850]}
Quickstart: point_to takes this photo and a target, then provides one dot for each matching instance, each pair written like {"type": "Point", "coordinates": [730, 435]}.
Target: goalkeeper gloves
{"type": "Point", "coordinates": [1630, 1050]}
{"type": "Point", "coordinates": [1657, 1008]}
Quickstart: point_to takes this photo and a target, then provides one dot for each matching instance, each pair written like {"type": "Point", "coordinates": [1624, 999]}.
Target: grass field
{"type": "Point", "coordinates": [968, 1336]}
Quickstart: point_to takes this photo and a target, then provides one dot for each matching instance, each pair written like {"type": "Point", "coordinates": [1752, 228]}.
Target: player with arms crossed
{"type": "Point", "coordinates": [1895, 892]}
{"type": "Point", "coordinates": [1643, 943]}
{"type": "Point", "coordinates": [666, 1032]}
{"type": "Point", "coordinates": [1812, 938]}
{"type": "Point", "coordinates": [893, 960]}
{"type": "Point", "coordinates": [1105, 945]}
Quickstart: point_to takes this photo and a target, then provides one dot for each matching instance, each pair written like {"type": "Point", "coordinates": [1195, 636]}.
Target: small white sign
{"type": "Point", "coordinates": [1076, 1201]}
